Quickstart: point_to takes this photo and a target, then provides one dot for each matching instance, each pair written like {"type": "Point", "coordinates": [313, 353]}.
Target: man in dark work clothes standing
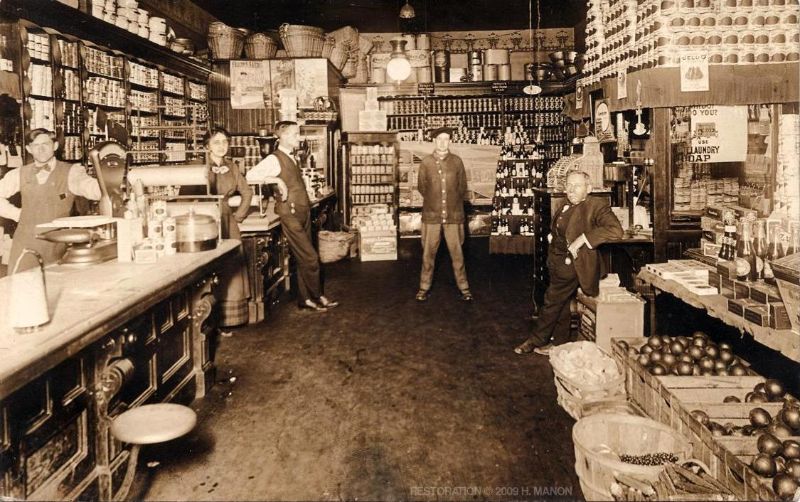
{"type": "Point", "coordinates": [294, 209]}
{"type": "Point", "coordinates": [580, 225]}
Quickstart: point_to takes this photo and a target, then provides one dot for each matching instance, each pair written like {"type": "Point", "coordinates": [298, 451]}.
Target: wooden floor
{"type": "Point", "coordinates": [380, 399]}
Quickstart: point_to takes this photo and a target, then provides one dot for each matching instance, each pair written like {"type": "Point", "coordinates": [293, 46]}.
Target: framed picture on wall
{"type": "Point", "coordinates": [603, 123]}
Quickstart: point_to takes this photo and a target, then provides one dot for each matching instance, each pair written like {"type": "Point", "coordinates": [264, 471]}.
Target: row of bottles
{"type": "Point", "coordinates": [750, 245]}
{"type": "Point", "coordinates": [505, 226]}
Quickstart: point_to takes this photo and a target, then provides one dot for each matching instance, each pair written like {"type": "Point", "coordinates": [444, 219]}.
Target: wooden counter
{"type": "Point", "coordinates": [88, 302]}
{"type": "Point", "coordinates": [120, 335]}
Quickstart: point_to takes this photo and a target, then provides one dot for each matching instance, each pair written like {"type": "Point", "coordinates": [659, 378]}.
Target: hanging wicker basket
{"type": "Point", "coordinates": [260, 46]}
{"type": "Point", "coordinates": [302, 41]}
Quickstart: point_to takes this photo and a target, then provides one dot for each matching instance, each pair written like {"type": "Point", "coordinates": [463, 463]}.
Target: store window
{"type": "Point", "coordinates": [733, 155]}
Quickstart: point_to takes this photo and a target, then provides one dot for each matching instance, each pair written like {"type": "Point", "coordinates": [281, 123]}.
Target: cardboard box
{"type": "Point", "coordinates": [622, 317]}
{"type": "Point", "coordinates": [779, 316]}
{"type": "Point", "coordinates": [710, 248]}
{"type": "Point", "coordinates": [741, 289]}
{"type": "Point", "coordinates": [739, 305]}
{"type": "Point", "coordinates": [757, 314]}
{"type": "Point", "coordinates": [764, 293]}
{"type": "Point", "coordinates": [726, 269]}
{"type": "Point", "coordinates": [726, 287]}
{"type": "Point", "coordinates": [378, 247]}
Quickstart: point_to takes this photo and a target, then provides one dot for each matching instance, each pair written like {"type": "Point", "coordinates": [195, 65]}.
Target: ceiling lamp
{"type": "Point", "coordinates": [407, 11]}
{"type": "Point", "coordinates": [531, 88]}
{"type": "Point", "coordinates": [398, 68]}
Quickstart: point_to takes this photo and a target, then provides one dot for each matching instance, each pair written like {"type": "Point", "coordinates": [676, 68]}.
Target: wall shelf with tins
{"type": "Point", "coordinates": [88, 94]}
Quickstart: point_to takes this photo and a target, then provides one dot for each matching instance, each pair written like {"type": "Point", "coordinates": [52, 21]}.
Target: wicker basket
{"type": "Point", "coordinates": [333, 246]}
{"type": "Point", "coordinates": [620, 434]}
{"type": "Point", "coordinates": [327, 46]}
{"type": "Point", "coordinates": [302, 41]}
{"type": "Point", "coordinates": [225, 42]}
{"type": "Point", "coordinates": [260, 46]}
{"type": "Point", "coordinates": [339, 54]}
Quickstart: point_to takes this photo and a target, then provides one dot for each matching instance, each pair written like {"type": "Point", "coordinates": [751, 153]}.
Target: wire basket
{"type": "Point", "coordinates": [302, 41]}
{"type": "Point", "coordinates": [260, 46]}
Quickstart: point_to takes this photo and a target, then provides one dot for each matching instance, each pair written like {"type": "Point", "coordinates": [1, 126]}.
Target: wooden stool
{"type": "Point", "coordinates": [149, 424]}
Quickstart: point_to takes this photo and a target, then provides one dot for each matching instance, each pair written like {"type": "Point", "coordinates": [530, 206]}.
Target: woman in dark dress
{"type": "Point", "coordinates": [225, 178]}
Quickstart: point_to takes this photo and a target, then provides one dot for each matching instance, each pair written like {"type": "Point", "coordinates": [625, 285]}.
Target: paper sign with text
{"type": "Point", "coordinates": [694, 72]}
{"type": "Point", "coordinates": [249, 84]}
{"type": "Point", "coordinates": [719, 134]}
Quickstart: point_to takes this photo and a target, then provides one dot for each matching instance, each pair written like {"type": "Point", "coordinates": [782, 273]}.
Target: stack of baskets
{"type": "Point", "coordinates": [260, 46]}
{"type": "Point", "coordinates": [224, 41]}
{"type": "Point", "coordinates": [336, 51]}
{"type": "Point", "coordinates": [302, 41]}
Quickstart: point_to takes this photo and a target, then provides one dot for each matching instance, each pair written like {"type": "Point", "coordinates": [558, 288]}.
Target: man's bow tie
{"type": "Point", "coordinates": [220, 169]}
{"type": "Point", "coordinates": [43, 167]}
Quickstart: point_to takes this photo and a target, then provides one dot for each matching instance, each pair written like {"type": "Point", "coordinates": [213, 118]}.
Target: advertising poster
{"type": "Point", "coordinates": [694, 72]}
{"type": "Point", "coordinates": [282, 74]}
{"type": "Point", "coordinates": [718, 134]}
{"type": "Point", "coordinates": [311, 77]}
{"type": "Point", "coordinates": [250, 84]}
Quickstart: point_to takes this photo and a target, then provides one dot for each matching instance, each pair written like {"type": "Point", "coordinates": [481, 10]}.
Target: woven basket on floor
{"type": "Point", "coordinates": [333, 246]}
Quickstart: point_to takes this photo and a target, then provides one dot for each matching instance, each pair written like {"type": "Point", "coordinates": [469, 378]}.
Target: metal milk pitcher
{"type": "Point", "coordinates": [27, 307]}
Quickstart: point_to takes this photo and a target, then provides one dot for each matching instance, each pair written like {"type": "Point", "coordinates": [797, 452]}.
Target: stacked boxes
{"type": "Point", "coordinates": [377, 232]}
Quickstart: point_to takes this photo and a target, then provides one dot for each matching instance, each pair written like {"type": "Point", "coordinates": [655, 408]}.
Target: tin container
{"type": "Point", "coordinates": [441, 59]}
{"type": "Point", "coordinates": [441, 73]}
{"type": "Point", "coordinates": [490, 72]}
{"type": "Point", "coordinates": [424, 75]}
{"type": "Point", "coordinates": [496, 56]}
{"type": "Point", "coordinates": [411, 41]}
{"type": "Point", "coordinates": [474, 57]}
{"type": "Point", "coordinates": [419, 58]}
{"type": "Point", "coordinates": [476, 73]}
{"type": "Point", "coordinates": [423, 42]}
{"type": "Point", "coordinates": [504, 72]}
{"type": "Point", "coordinates": [378, 75]}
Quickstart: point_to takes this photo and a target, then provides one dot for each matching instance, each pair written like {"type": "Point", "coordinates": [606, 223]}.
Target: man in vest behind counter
{"type": "Point", "coordinates": [294, 209]}
{"type": "Point", "coordinates": [48, 188]}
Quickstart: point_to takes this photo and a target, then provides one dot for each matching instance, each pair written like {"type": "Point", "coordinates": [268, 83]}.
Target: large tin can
{"type": "Point", "coordinates": [476, 72]}
{"type": "Point", "coordinates": [490, 72]}
{"type": "Point", "coordinates": [441, 58]}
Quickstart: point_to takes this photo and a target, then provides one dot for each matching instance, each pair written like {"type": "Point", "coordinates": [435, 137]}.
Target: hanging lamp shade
{"type": "Point", "coordinates": [407, 11]}
{"type": "Point", "coordinates": [399, 67]}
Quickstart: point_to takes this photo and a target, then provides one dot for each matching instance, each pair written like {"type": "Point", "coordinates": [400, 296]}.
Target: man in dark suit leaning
{"type": "Point", "coordinates": [580, 225]}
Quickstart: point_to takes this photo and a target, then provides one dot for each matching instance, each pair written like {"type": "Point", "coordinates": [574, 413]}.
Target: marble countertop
{"type": "Point", "coordinates": [86, 302]}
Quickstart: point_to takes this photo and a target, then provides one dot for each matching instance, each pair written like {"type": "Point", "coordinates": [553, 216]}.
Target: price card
{"type": "Point", "coordinates": [499, 87]}
{"type": "Point", "coordinates": [425, 89]}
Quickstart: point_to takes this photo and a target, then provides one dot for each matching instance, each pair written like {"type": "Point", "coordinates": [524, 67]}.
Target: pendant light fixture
{"type": "Point", "coordinates": [399, 67]}
{"type": "Point", "coordinates": [532, 88]}
{"type": "Point", "coordinates": [407, 11]}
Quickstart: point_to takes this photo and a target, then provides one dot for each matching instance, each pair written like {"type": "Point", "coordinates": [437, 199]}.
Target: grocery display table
{"type": "Point", "coordinates": [785, 341]}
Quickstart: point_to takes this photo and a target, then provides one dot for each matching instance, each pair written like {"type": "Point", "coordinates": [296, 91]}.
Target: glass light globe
{"type": "Point", "coordinates": [398, 69]}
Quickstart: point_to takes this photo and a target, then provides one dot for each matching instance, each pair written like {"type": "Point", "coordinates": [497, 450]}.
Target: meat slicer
{"type": "Point", "coordinates": [92, 239]}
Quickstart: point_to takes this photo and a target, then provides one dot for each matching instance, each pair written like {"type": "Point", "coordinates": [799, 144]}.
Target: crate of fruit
{"type": "Point", "coordinates": [723, 416]}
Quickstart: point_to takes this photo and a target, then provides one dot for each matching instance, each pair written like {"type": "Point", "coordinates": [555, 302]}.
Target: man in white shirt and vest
{"type": "Point", "coordinates": [48, 188]}
{"type": "Point", "coordinates": [294, 209]}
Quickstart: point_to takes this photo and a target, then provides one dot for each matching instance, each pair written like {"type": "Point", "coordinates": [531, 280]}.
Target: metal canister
{"type": "Point", "coordinates": [490, 72]}
{"type": "Point", "coordinates": [476, 73]}
{"type": "Point", "coordinates": [424, 75]}
{"type": "Point", "coordinates": [441, 73]}
{"type": "Point", "coordinates": [411, 41]}
{"type": "Point", "coordinates": [475, 57]}
{"type": "Point", "coordinates": [378, 75]}
{"type": "Point", "coordinates": [441, 58]}
{"type": "Point", "coordinates": [504, 72]}
{"type": "Point", "coordinates": [423, 42]}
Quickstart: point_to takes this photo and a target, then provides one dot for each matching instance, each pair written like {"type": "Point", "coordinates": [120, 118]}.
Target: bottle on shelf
{"type": "Point", "coordinates": [760, 247]}
{"type": "Point", "coordinates": [746, 266]}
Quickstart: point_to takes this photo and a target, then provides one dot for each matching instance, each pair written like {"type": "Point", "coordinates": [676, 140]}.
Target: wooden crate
{"type": "Point", "coordinates": [671, 399]}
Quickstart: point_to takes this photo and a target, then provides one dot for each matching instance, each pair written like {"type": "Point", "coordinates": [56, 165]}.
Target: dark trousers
{"type": "Point", "coordinates": [297, 229]}
{"type": "Point", "coordinates": [553, 323]}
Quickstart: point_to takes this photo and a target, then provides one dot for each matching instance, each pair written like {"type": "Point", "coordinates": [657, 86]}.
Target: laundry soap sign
{"type": "Point", "coordinates": [694, 71]}
{"type": "Point", "coordinates": [719, 134]}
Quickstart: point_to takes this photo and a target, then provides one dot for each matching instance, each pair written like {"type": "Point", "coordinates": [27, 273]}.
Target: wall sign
{"type": "Point", "coordinates": [250, 83]}
{"type": "Point", "coordinates": [718, 134]}
{"type": "Point", "coordinates": [499, 87]}
{"type": "Point", "coordinates": [603, 127]}
{"type": "Point", "coordinates": [694, 71]}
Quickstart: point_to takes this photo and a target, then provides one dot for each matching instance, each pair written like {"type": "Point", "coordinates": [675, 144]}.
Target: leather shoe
{"type": "Point", "coordinates": [544, 350]}
{"type": "Point", "coordinates": [312, 305]}
{"type": "Point", "coordinates": [328, 304]}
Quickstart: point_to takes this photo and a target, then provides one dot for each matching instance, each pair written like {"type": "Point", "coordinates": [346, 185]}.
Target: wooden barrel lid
{"type": "Point", "coordinates": [153, 423]}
